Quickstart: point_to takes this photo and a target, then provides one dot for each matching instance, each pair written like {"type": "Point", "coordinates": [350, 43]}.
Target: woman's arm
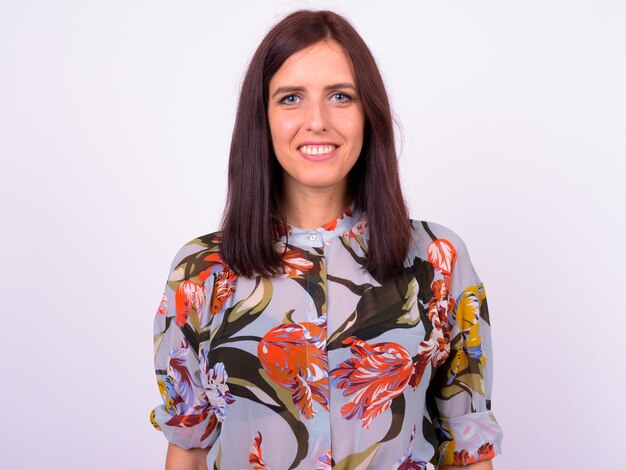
{"type": "Point", "coordinates": [482, 465]}
{"type": "Point", "coordinates": [178, 458]}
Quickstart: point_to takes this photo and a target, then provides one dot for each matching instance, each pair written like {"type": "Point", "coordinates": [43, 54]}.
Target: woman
{"type": "Point", "coordinates": [322, 327]}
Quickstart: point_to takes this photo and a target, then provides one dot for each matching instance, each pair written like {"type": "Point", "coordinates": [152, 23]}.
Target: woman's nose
{"type": "Point", "coordinates": [316, 118]}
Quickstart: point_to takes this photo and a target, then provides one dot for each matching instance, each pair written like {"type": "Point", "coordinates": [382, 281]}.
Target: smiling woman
{"type": "Point", "coordinates": [321, 327]}
{"type": "Point", "coordinates": [312, 68]}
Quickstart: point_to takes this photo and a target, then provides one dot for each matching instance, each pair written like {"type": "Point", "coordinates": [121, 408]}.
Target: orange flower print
{"type": "Point", "coordinates": [357, 230]}
{"type": "Point", "coordinates": [438, 308]}
{"type": "Point", "coordinates": [437, 348]}
{"type": "Point", "coordinates": [377, 375]}
{"type": "Point", "coordinates": [294, 264]}
{"type": "Point", "coordinates": [464, 457]}
{"type": "Point", "coordinates": [256, 454]}
{"type": "Point", "coordinates": [224, 285]}
{"type": "Point", "coordinates": [442, 255]}
{"type": "Point", "coordinates": [188, 295]}
{"type": "Point", "coordinates": [294, 356]}
{"type": "Point", "coordinates": [461, 457]}
{"type": "Point", "coordinates": [485, 451]}
{"type": "Point", "coordinates": [223, 289]}
{"type": "Point", "coordinates": [162, 309]}
{"type": "Point", "coordinates": [214, 262]}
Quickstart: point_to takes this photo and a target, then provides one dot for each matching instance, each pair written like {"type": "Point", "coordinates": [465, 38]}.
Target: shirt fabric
{"type": "Point", "coordinates": [324, 366]}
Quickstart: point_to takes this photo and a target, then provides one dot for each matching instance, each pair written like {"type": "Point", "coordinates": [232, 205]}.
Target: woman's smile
{"type": "Point", "coordinates": [317, 153]}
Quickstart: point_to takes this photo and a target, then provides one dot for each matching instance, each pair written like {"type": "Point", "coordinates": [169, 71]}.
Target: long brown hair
{"type": "Point", "coordinates": [255, 176]}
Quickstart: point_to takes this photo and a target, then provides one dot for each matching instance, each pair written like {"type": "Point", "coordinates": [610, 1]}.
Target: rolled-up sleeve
{"type": "Point", "coordinates": [185, 416]}
{"type": "Point", "coordinates": [459, 395]}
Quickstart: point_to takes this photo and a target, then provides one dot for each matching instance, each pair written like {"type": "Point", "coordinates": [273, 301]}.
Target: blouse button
{"type": "Point", "coordinates": [312, 236]}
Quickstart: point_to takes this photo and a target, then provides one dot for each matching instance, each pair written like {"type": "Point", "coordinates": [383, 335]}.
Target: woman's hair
{"type": "Point", "coordinates": [255, 175]}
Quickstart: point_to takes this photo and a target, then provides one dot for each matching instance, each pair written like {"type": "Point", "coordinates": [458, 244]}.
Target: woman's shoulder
{"type": "Point", "coordinates": [444, 248]}
{"type": "Point", "coordinates": [199, 254]}
{"type": "Point", "coordinates": [426, 232]}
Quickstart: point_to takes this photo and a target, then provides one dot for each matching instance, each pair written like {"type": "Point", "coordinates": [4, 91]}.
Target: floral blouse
{"type": "Point", "coordinates": [325, 367]}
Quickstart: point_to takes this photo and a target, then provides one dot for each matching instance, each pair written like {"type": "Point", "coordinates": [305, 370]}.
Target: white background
{"type": "Point", "coordinates": [115, 125]}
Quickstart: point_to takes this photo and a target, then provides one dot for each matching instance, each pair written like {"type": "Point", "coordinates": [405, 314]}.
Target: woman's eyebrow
{"type": "Point", "coordinates": [291, 89]}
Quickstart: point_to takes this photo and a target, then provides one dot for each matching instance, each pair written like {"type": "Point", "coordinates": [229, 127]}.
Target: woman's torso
{"type": "Point", "coordinates": [325, 362]}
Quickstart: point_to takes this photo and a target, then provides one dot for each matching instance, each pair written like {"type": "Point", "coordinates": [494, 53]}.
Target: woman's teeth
{"type": "Point", "coordinates": [317, 149]}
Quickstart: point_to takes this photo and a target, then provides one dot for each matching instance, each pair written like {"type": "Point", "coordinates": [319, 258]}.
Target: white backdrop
{"type": "Point", "coordinates": [115, 124]}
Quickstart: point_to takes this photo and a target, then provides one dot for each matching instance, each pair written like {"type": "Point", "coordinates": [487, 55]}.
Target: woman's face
{"type": "Point", "coordinates": [316, 118]}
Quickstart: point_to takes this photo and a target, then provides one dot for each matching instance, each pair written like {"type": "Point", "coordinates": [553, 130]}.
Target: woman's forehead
{"type": "Point", "coordinates": [321, 62]}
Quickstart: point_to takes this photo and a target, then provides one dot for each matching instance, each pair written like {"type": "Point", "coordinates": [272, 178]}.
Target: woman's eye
{"type": "Point", "coordinates": [346, 96]}
{"type": "Point", "coordinates": [287, 99]}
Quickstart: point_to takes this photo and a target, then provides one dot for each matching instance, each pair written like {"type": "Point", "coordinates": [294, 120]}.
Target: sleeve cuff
{"type": "Point", "coordinates": [194, 431]}
{"type": "Point", "coordinates": [469, 438]}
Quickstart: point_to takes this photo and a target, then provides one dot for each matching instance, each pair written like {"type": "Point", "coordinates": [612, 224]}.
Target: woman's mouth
{"type": "Point", "coordinates": [317, 153]}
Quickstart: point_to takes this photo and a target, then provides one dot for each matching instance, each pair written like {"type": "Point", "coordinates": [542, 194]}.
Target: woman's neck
{"type": "Point", "coordinates": [314, 210]}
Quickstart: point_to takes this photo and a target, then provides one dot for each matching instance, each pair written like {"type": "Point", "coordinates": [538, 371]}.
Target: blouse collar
{"type": "Point", "coordinates": [318, 237]}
